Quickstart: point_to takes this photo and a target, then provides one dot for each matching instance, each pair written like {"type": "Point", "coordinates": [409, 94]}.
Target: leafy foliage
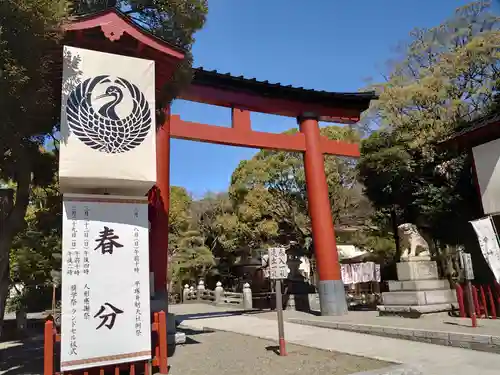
{"type": "Point", "coordinates": [266, 205]}
{"type": "Point", "coordinates": [273, 185]}
{"type": "Point", "coordinates": [175, 21]}
{"type": "Point", "coordinates": [189, 257]}
{"type": "Point", "coordinates": [35, 257]}
{"type": "Point", "coordinates": [192, 259]}
{"type": "Point", "coordinates": [29, 50]}
{"type": "Point", "coordinates": [448, 75]}
{"type": "Point", "coordinates": [445, 76]}
{"type": "Point", "coordinates": [40, 242]}
{"type": "Point", "coordinates": [178, 216]}
{"type": "Point", "coordinates": [30, 61]}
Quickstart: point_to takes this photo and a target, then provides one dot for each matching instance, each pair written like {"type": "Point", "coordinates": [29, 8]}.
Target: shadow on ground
{"type": "Point", "coordinates": [179, 318]}
{"type": "Point", "coordinates": [189, 338]}
{"type": "Point", "coordinates": [273, 348]}
{"type": "Point", "coordinates": [22, 357]}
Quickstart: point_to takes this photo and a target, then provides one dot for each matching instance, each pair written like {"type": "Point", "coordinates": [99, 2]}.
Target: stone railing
{"type": "Point", "coordinates": [218, 296]}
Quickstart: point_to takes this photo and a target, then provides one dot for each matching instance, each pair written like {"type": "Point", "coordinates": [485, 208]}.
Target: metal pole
{"type": "Point", "coordinates": [281, 325]}
{"type": "Point", "coordinates": [467, 275]}
{"type": "Point", "coordinates": [470, 304]}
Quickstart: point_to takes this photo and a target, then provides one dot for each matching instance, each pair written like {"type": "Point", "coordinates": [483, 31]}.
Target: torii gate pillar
{"type": "Point", "coordinates": [330, 286]}
{"type": "Point", "coordinates": [159, 238]}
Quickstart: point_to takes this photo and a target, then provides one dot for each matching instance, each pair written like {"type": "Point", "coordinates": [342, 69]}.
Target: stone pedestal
{"type": "Point", "coordinates": [417, 291]}
{"type": "Point", "coordinates": [303, 302]}
{"type": "Point", "coordinates": [159, 303]}
{"type": "Point", "coordinates": [21, 320]}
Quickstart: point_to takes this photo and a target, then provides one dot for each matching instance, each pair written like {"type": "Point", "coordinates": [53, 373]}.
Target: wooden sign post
{"type": "Point", "coordinates": [466, 261]}
{"type": "Point", "coordinates": [278, 270]}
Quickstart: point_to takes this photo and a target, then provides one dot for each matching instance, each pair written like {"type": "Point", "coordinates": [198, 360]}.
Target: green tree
{"type": "Point", "coordinates": [28, 35]}
{"type": "Point", "coordinates": [30, 57]}
{"type": "Point", "coordinates": [438, 194]}
{"type": "Point", "coordinates": [269, 192]}
{"type": "Point", "coordinates": [175, 21]}
{"type": "Point", "coordinates": [448, 75]}
{"type": "Point", "coordinates": [178, 215]}
{"type": "Point", "coordinates": [189, 257]}
{"type": "Point", "coordinates": [192, 259]}
{"type": "Point", "coordinates": [36, 251]}
{"type": "Point", "coordinates": [378, 242]}
{"type": "Point", "coordinates": [215, 218]}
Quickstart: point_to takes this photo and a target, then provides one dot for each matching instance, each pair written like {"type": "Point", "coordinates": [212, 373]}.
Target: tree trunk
{"type": "Point", "coordinates": [397, 242]}
{"type": "Point", "coordinates": [12, 224]}
{"type": "Point", "coordinates": [4, 283]}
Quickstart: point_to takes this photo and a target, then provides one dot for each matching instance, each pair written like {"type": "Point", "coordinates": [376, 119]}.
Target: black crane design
{"type": "Point", "coordinates": [108, 109]}
{"type": "Point", "coordinates": [102, 129]}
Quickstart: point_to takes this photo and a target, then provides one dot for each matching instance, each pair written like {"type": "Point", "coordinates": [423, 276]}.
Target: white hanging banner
{"type": "Point", "coordinates": [107, 123]}
{"type": "Point", "coordinates": [356, 273]}
{"type": "Point", "coordinates": [368, 272]}
{"type": "Point", "coordinates": [105, 281]}
{"type": "Point", "coordinates": [488, 242]}
{"type": "Point", "coordinates": [487, 164]}
{"type": "Point", "coordinates": [378, 275]}
{"type": "Point", "coordinates": [345, 271]}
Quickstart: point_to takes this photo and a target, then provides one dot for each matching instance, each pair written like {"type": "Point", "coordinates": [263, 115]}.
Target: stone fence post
{"type": "Point", "coordinates": [200, 288]}
{"type": "Point", "coordinates": [247, 297]}
{"type": "Point", "coordinates": [218, 292]}
{"type": "Point", "coordinates": [185, 293]}
{"type": "Point", "coordinates": [191, 291]}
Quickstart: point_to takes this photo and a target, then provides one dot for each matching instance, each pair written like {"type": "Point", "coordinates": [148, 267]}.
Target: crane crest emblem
{"type": "Point", "coordinates": [115, 126]}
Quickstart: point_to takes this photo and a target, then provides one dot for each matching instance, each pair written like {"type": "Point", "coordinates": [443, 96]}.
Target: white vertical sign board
{"type": "Point", "coordinates": [108, 126]}
{"type": "Point", "coordinates": [278, 268]}
{"type": "Point", "coordinates": [265, 265]}
{"type": "Point", "coordinates": [105, 281]}
{"type": "Point", "coordinates": [488, 243]}
{"type": "Point", "coordinates": [466, 260]}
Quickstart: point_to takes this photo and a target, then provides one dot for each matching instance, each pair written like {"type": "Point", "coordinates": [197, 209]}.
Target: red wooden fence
{"type": "Point", "coordinates": [485, 298]}
{"type": "Point", "coordinates": [159, 352]}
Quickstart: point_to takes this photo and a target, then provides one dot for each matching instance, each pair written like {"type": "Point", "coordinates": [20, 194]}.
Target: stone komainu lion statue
{"type": "Point", "coordinates": [412, 242]}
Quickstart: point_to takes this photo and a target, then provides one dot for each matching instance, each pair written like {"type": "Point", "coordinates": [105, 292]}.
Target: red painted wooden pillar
{"type": "Point", "coordinates": [330, 285]}
{"type": "Point", "coordinates": [159, 245]}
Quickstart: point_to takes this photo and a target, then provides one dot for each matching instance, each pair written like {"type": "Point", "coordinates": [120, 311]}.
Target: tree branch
{"type": "Point", "coordinates": [56, 142]}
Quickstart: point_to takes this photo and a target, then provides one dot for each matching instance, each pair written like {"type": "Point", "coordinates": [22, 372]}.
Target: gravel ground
{"type": "Point", "coordinates": [220, 353]}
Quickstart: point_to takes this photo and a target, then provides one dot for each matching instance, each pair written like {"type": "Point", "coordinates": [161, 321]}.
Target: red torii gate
{"type": "Point", "coordinates": [112, 32]}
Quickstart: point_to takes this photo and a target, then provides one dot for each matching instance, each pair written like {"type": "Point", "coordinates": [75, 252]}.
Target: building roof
{"type": "Point", "coordinates": [226, 81]}
{"type": "Point", "coordinates": [114, 32]}
{"type": "Point", "coordinates": [111, 31]}
{"type": "Point", "coordinates": [101, 15]}
{"type": "Point", "coordinates": [477, 132]}
{"type": "Point", "coordinates": [114, 24]}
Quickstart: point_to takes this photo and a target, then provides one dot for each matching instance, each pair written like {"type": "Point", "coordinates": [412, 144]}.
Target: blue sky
{"type": "Point", "coordinates": [320, 44]}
